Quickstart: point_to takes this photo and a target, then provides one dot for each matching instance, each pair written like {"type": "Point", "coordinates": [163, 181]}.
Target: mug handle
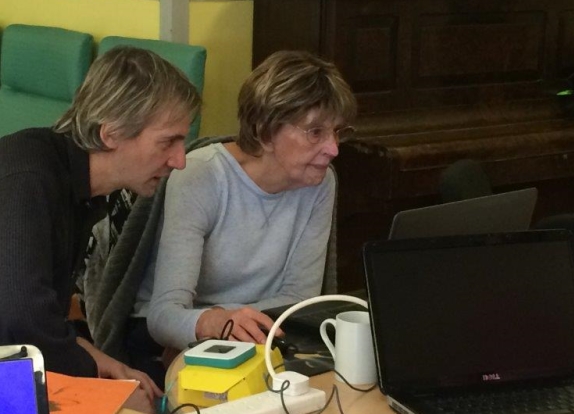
{"type": "Point", "coordinates": [325, 337]}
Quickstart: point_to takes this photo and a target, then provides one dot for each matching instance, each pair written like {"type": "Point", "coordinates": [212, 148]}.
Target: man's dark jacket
{"type": "Point", "coordinates": [46, 213]}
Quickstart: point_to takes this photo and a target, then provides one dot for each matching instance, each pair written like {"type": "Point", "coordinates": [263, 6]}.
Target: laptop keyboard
{"type": "Point", "coordinates": [555, 400]}
{"type": "Point", "coordinates": [313, 315]}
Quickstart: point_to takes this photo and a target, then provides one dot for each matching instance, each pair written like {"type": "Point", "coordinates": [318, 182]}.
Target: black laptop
{"type": "Point", "coordinates": [474, 324]}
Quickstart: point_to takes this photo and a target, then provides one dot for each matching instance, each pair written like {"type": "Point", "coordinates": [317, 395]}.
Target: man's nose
{"type": "Point", "coordinates": [177, 158]}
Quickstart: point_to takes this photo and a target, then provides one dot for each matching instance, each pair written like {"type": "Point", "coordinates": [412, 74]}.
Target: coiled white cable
{"type": "Point", "coordinates": [298, 383]}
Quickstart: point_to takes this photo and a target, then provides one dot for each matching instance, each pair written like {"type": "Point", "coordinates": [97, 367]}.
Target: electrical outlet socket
{"type": "Point", "coordinates": [270, 403]}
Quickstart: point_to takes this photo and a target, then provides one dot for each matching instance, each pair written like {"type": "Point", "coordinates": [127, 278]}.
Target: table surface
{"type": "Point", "coordinates": [352, 402]}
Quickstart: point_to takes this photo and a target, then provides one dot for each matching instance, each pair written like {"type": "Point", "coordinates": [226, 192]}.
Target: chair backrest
{"type": "Point", "coordinates": [190, 59]}
{"type": "Point", "coordinates": [40, 70]}
{"type": "Point", "coordinates": [330, 284]}
{"type": "Point", "coordinates": [462, 180]}
{"type": "Point", "coordinates": [47, 61]}
{"type": "Point", "coordinates": [0, 56]}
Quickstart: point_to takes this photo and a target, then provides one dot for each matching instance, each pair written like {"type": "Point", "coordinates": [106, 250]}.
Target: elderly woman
{"type": "Point", "coordinates": [246, 223]}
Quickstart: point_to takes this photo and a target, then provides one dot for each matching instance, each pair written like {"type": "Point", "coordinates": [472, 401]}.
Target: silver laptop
{"type": "Point", "coordinates": [474, 324]}
{"type": "Point", "coordinates": [504, 212]}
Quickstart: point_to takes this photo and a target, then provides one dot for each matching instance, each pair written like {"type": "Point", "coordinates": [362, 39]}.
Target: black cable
{"type": "Point", "coordinates": [284, 386]}
{"type": "Point", "coordinates": [229, 324]}
{"type": "Point", "coordinates": [223, 335]}
{"type": "Point", "coordinates": [179, 407]}
{"type": "Point", "coordinates": [371, 388]}
{"type": "Point", "coordinates": [22, 353]}
{"type": "Point", "coordinates": [266, 377]}
{"type": "Point", "coordinates": [335, 393]}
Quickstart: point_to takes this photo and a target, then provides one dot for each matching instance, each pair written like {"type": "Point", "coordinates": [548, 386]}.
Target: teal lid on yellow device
{"type": "Point", "coordinates": [219, 354]}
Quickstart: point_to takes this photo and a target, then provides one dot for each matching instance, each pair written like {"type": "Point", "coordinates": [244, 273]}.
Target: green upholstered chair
{"type": "Point", "coordinates": [40, 70]}
{"type": "Point", "coordinates": [188, 58]}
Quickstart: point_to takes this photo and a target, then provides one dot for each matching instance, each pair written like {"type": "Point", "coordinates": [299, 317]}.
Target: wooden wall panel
{"type": "Point", "coordinates": [285, 24]}
{"type": "Point", "coordinates": [372, 51]}
{"type": "Point", "coordinates": [437, 81]}
{"type": "Point", "coordinates": [453, 50]}
{"type": "Point", "coordinates": [565, 53]}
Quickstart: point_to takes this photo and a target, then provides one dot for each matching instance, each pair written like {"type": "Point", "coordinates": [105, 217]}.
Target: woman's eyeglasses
{"type": "Point", "coordinates": [321, 134]}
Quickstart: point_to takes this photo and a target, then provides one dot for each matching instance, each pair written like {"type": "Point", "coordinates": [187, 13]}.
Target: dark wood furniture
{"type": "Point", "coordinates": [437, 81]}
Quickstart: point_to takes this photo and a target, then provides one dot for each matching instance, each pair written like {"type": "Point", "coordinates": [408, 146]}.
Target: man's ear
{"type": "Point", "coordinates": [108, 137]}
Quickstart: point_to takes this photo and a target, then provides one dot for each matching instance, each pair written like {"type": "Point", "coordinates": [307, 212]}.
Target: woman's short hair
{"type": "Point", "coordinates": [283, 89]}
{"type": "Point", "coordinates": [126, 88]}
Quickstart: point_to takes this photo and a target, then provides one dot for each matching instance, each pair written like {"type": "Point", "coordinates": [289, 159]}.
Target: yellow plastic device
{"type": "Point", "coordinates": [206, 386]}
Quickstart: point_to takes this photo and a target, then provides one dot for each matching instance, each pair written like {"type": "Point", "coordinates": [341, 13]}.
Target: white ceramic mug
{"type": "Point", "coordinates": [353, 351]}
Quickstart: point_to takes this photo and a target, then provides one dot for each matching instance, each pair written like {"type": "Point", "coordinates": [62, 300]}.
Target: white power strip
{"type": "Point", "coordinates": [270, 403]}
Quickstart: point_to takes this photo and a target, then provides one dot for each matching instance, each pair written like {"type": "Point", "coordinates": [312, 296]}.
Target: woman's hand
{"type": "Point", "coordinates": [247, 324]}
{"type": "Point", "coordinates": [109, 367]}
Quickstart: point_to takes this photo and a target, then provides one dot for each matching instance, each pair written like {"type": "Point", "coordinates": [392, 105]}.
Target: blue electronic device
{"type": "Point", "coordinates": [219, 354]}
{"type": "Point", "coordinates": [22, 380]}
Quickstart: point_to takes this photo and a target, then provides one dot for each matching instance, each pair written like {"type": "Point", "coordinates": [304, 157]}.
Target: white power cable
{"type": "Point", "coordinates": [298, 384]}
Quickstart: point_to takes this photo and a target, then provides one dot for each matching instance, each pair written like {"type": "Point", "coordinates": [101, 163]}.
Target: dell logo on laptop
{"type": "Point", "coordinates": [490, 377]}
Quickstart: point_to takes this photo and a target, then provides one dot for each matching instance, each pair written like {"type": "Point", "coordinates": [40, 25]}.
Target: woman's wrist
{"type": "Point", "coordinates": [207, 325]}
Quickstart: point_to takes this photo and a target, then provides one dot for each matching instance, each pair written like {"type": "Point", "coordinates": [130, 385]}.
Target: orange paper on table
{"type": "Point", "coordinates": [74, 395]}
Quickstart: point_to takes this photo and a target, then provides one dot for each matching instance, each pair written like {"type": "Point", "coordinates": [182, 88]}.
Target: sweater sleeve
{"type": "Point", "coordinates": [30, 310]}
{"type": "Point", "coordinates": [191, 198]}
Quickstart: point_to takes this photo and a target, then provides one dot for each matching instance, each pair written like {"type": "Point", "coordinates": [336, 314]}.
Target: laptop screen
{"type": "Point", "coordinates": [504, 212]}
{"type": "Point", "coordinates": [467, 310]}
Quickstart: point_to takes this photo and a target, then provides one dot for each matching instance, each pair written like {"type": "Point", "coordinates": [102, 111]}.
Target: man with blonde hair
{"type": "Point", "coordinates": [125, 129]}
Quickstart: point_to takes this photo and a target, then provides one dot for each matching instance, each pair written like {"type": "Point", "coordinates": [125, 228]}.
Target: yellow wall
{"type": "Point", "coordinates": [224, 28]}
